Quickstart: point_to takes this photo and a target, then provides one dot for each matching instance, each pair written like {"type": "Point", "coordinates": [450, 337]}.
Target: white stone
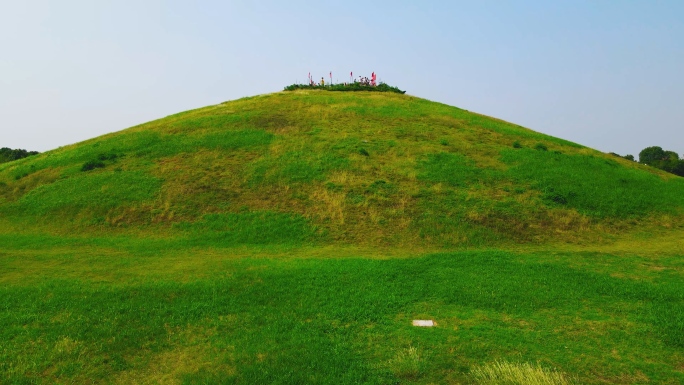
{"type": "Point", "coordinates": [424, 323]}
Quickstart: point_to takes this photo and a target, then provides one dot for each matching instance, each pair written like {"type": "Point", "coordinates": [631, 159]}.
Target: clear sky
{"type": "Point", "coordinates": [606, 74]}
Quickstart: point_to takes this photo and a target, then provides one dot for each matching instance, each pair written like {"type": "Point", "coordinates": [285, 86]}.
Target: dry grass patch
{"type": "Point", "coordinates": [407, 363]}
{"type": "Point", "coordinates": [506, 373]}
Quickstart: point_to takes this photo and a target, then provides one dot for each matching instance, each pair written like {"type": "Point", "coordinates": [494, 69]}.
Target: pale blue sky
{"type": "Point", "coordinates": [607, 74]}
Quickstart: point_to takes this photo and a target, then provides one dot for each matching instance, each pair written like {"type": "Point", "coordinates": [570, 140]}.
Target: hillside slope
{"type": "Point", "coordinates": [348, 168]}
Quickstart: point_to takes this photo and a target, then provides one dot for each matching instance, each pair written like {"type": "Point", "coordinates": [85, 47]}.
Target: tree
{"type": "Point", "coordinates": [629, 157]}
{"type": "Point", "coordinates": [7, 154]}
{"type": "Point", "coordinates": [651, 155]}
{"type": "Point", "coordinates": [679, 168]}
{"type": "Point", "coordinates": [665, 160]}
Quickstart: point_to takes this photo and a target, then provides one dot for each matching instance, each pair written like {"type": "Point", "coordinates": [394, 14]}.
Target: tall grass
{"type": "Point", "coordinates": [506, 373]}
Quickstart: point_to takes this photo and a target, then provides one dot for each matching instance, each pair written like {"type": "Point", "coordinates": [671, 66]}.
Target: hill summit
{"type": "Point", "coordinates": [359, 168]}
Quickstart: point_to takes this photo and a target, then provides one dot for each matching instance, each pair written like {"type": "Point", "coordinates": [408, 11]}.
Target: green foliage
{"type": "Point", "coordinates": [92, 164]}
{"type": "Point", "coordinates": [7, 154]}
{"type": "Point", "coordinates": [107, 157]}
{"type": "Point", "coordinates": [651, 155]}
{"type": "Point", "coordinates": [517, 144]}
{"type": "Point", "coordinates": [540, 147]}
{"type": "Point", "coordinates": [382, 87]}
{"type": "Point", "coordinates": [100, 162]}
{"type": "Point", "coordinates": [665, 160]}
{"type": "Point", "coordinates": [629, 157]}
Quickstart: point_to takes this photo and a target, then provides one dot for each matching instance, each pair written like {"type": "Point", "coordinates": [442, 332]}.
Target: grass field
{"type": "Point", "coordinates": [292, 238]}
{"type": "Point", "coordinates": [119, 310]}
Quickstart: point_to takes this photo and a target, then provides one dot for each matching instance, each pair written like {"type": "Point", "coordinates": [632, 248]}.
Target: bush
{"type": "Point", "coordinates": [517, 144]}
{"type": "Point", "coordinates": [382, 87]}
{"type": "Point", "coordinates": [540, 147]}
{"type": "Point", "coordinates": [364, 152]}
{"type": "Point", "coordinates": [92, 164]}
{"type": "Point", "coordinates": [104, 157]}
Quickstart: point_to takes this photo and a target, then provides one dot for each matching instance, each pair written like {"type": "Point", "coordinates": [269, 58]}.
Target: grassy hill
{"type": "Point", "coordinates": [318, 167]}
{"type": "Point", "coordinates": [292, 237]}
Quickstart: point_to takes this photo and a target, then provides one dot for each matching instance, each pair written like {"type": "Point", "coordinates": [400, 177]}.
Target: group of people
{"type": "Point", "coordinates": [371, 82]}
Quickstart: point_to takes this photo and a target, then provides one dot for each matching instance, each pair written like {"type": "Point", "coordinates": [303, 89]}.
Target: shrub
{"type": "Point", "coordinates": [92, 164]}
{"type": "Point", "coordinates": [382, 87]}
{"type": "Point", "coordinates": [364, 152]}
{"type": "Point", "coordinates": [517, 144]}
{"type": "Point", "coordinates": [540, 147]}
{"type": "Point", "coordinates": [104, 157]}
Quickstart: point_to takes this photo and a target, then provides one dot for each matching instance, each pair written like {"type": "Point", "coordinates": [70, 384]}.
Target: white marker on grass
{"type": "Point", "coordinates": [424, 323]}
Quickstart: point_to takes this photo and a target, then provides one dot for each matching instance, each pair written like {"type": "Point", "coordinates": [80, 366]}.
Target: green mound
{"type": "Point", "coordinates": [292, 238]}
{"type": "Point", "coordinates": [373, 169]}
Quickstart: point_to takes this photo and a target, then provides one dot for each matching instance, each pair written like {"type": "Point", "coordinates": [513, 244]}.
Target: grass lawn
{"type": "Point", "coordinates": [126, 310]}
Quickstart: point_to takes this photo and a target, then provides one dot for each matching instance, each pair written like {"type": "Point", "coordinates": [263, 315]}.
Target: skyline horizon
{"type": "Point", "coordinates": [635, 154]}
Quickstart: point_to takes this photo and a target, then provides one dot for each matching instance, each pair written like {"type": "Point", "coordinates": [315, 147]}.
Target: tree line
{"type": "Point", "coordinates": [7, 154]}
{"type": "Point", "coordinates": [665, 160]}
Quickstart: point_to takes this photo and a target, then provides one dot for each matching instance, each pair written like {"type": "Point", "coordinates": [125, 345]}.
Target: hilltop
{"type": "Point", "coordinates": [316, 167]}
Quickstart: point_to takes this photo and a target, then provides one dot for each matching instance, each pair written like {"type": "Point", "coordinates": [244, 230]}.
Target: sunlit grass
{"type": "Point", "coordinates": [506, 373]}
{"type": "Point", "coordinates": [415, 173]}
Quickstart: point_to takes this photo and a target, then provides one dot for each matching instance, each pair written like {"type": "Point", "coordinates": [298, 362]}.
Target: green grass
{"type": "Point", "coordinates": [594, 185]}
{"type": "Point", "coordinates": [458, 178]}
{"type": "Point", "coordinates": [292, 237]}
{"type": "Point", "coordinates": [291, 315]}
{"type": "Point", "coordinates": [251, 228]}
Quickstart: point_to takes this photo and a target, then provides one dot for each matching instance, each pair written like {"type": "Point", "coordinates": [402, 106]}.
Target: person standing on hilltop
{"type": "Point", "coordinates": [322, 81]}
